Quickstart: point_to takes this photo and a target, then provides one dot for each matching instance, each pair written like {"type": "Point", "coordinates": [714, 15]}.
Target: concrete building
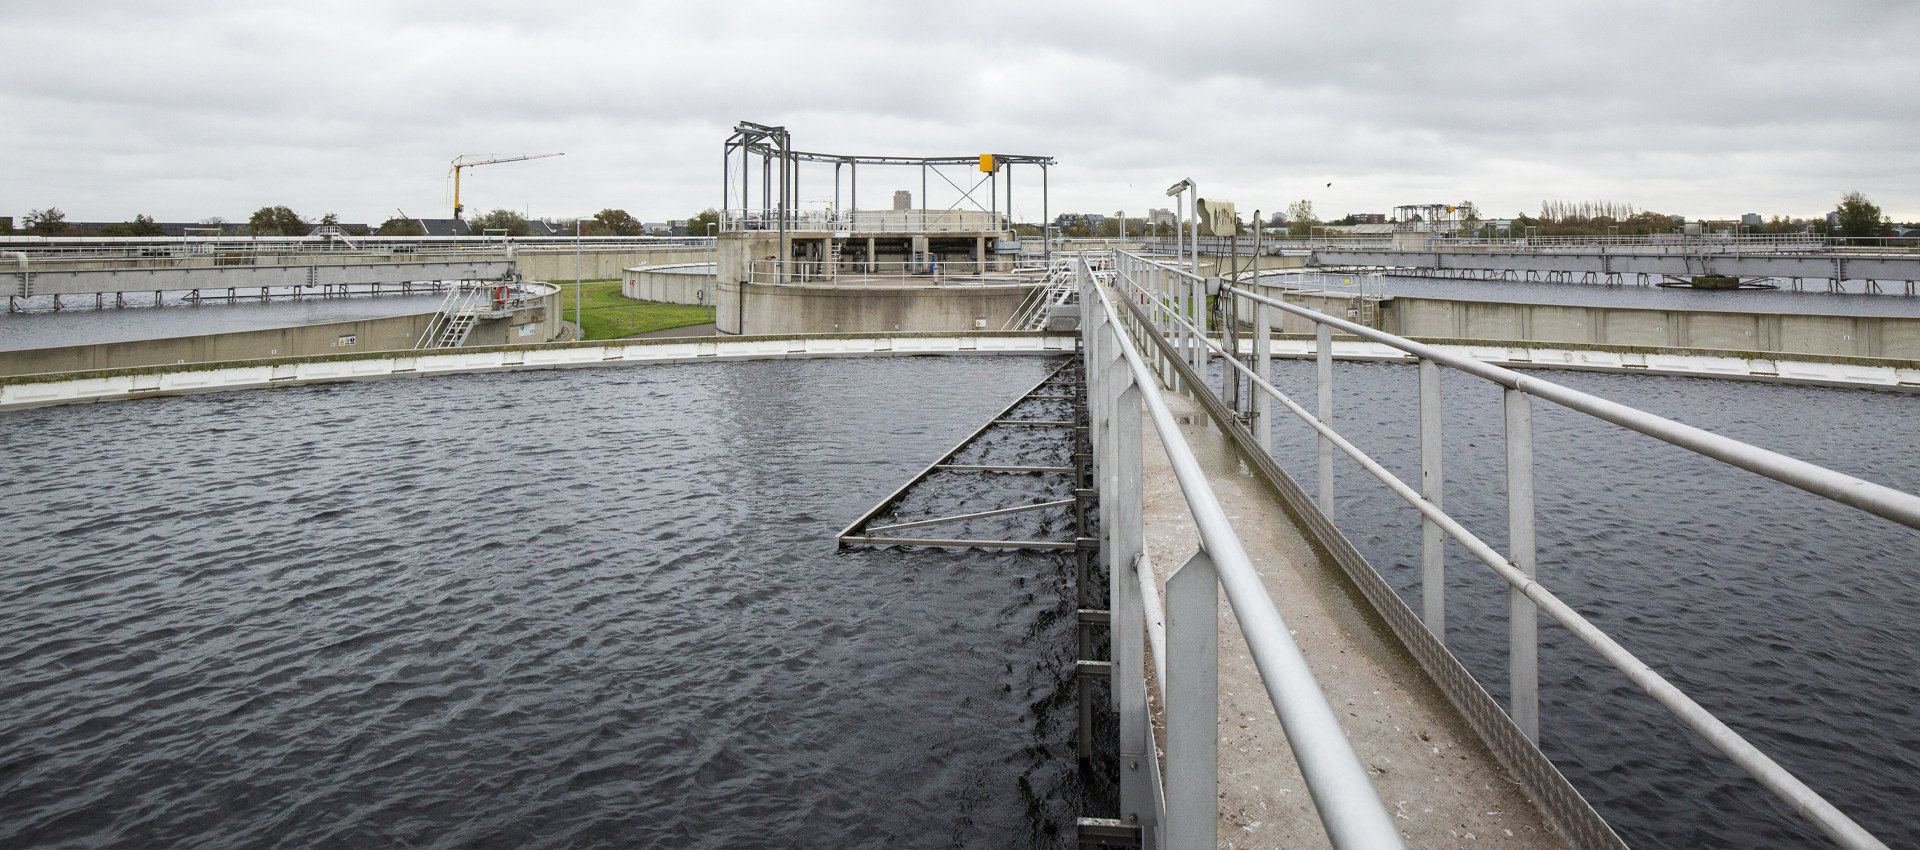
{"type": "Point", "coordinates": [1159, 217]}
{"type": "Point", "coordinates": [902, 200]}
{"type": "Point", "coordinates": [1751, 220]}
{"type": "Point", "coordinates": [1369, 218]}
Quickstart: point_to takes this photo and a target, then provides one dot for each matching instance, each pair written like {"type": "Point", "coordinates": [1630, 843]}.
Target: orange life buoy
{"type": "Point", "coordinates": [500, 294]}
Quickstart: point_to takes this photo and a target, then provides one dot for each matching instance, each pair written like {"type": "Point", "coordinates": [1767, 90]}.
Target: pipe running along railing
{"type": "Point", "coordinates": [1120, 384]}
{"type": "Point", "coordinates": [865, 221]}
{"type": "Point", "coordinates": [1176, 298]}
{"type": "Point", "coordinates": [852, 272]}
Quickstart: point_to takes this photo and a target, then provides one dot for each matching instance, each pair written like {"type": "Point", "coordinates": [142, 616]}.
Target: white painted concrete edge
{"type": "Point", "coordinates": [1772, 370]}
{"type": "Point", "coordinates": [409, 364]}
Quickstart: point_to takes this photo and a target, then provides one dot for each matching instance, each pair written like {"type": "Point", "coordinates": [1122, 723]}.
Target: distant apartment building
{"type": "Point", "coordinates": [903, 200]}
{"type": "Point", "coordinates": [1369, 218]}
{"type": "Point", "coordinates": [1751, 220]}
{"type": "Point", "coordinates": [1159, 217]}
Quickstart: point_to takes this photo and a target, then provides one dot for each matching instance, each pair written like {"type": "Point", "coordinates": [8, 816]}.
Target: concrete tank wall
{"type": "Point", "coordinates": [769, 309]}
{"type": "Point", "coordinates": [557, 266]}
{"type": "Point", "coordinates": [649, 283]}
{"type": "Point", "coordinates": [387, 334]}
{"type": "Point", "coordinates": [538, 323]}
{"type": "Point", "coordinates": [1789, 333]}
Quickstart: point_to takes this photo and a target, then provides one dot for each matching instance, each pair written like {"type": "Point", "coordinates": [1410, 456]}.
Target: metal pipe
{"type": "Point", "coordinates": [1156, 621]}
{"type": "Point", "coordinates": [1824, 815]}
{"type": "Point", "coordinates": [1344, 795]}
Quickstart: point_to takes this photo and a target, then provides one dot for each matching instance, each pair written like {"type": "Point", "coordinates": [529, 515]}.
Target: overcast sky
{"type": "Point", "coordinates": [185, 111]}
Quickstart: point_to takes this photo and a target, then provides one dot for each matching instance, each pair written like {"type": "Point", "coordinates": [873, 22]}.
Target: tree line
{"type": "Point", "coordinates": [1854, 216]}
{"type": "Point", "coordinates": [283, 221]}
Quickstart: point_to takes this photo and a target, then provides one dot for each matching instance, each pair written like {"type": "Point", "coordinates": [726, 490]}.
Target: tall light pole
{"type": "Point", "coordinates": [576, 281]}
{"type": "Point", "coordinates": [1176, 192]}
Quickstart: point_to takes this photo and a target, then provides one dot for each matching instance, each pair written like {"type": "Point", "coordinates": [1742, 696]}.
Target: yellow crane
{"type": "Point", "coordinates": [469, 160]}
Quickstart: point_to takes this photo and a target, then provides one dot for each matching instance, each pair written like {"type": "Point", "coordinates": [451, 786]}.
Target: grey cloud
{"type": "Point", "coordinates": [1702, 109]}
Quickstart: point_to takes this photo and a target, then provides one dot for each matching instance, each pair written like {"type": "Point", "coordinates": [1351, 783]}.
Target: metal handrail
{"type": "Point", "coordinates": [1720, 243]}
{"type": "Point", "coordinates": [413, 247]}
{"type": "Point", "coordinates": [1343, 793]}
{"type": "Point", "coordinates": [863, 221]}
{"type": "Point", "coordinates": [892, 274]}
{"type": "Point", "coordinates": [1877, 499]}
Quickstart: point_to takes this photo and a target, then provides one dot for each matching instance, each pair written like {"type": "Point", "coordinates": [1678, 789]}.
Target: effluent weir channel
{"type": "Point", "coordinates": [1138, 584]}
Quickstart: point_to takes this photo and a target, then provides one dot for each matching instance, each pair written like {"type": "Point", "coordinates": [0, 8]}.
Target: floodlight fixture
{"type": "Point", "coordinates": [1179, 187]}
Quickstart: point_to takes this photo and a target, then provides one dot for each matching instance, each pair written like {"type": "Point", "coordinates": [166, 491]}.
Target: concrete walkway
{"type": "Point", "coordinates": [1443, 786]}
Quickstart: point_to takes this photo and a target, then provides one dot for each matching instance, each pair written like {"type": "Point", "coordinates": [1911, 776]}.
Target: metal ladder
{"type": "Point", "coordinates": [455, 333]}
{"type": "Point", "coordinates": [450, 327]}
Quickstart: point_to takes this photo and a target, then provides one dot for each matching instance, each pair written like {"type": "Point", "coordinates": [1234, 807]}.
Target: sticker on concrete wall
{"type": "Point", "coordinates": [345, 341]}
{"type": "Point", "coordinates": [529, 328]}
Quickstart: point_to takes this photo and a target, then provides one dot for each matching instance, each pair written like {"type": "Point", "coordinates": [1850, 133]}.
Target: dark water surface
{"type": "Point", "coordinates": [1795, 620]}
{"type": "Point", "coordinates": [539, 609]}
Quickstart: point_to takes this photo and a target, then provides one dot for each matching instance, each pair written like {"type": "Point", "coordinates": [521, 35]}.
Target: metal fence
{"type": "Point", "coordinates": [1756, 243]}
{"type": "Point", "coordinates": [41, 249]}
{"type": "Point", "coordinates": [875, 221]}
{"type": "Point", "coordinates": [1186, 813]}
{"type": "Point", "coordinates": [857, 273]}
{"type": "Point", "coordinates": [1176, 307]}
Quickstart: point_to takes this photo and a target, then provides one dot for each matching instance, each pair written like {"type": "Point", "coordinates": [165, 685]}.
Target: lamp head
{"type": "Point", "coordinates": [1179, 187]}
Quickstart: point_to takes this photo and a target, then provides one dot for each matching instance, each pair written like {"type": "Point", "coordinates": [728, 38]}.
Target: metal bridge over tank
{"type": "Point", "coordinates": [220, 267]}
{"type": "Point", "coordinates": [1150, 336]}
{"type": "Point", "coordinates": [1617, 260]}
{"type": "Point", "coordinates": [838, 237]}
{"type": "Point", "coordinates": [1642, 259]}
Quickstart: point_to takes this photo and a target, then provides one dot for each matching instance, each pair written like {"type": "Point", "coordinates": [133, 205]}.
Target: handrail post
{"type": "Point", "coordinates": [1124, 545]}
{"type": "Point", "coordinates": [1263, 360]}
{"type": "Point", "coordinates": [1183, 307]}
{"type": "Point", "coordinates": [1523, 624]}
{"type": "Point", "coordinates": [1229, 340]}
{"type": "Point", "coordinates": [1193, 704]}
{"type": "Point", "coordinates": [1433, 554]}
{"type": "Point", "coordinates": [1197, 314]}
{"type": "Point", "coordinates": [1323, 333]}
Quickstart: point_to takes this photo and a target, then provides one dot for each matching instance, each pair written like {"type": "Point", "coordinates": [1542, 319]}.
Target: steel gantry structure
{"type": "Point", "coordinates": [780, 180]}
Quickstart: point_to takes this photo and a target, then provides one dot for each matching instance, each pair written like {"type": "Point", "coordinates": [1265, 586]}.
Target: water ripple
{"type": "Point", "coordinates": [541, 609]}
